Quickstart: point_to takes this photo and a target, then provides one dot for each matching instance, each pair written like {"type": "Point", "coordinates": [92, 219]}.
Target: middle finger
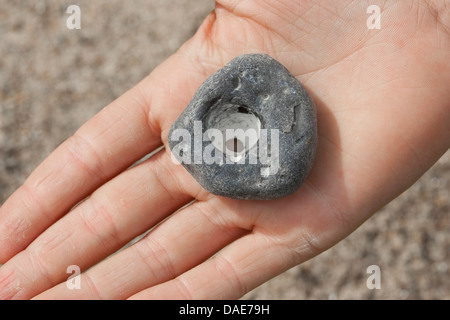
{"type": "Point", "coordinates": [123, 208]}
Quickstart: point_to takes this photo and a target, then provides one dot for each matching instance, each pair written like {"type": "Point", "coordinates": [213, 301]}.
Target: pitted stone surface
{"type": "Point", "coordinates": [272, 153]}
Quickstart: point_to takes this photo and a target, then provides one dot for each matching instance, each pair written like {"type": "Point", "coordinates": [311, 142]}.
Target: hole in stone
{"type": "Point", "coordinates": [235, 145]}
{"type": "Point", "coordinates": [242, 110]}
{"type": "Point", "coordinates": [239, 129]}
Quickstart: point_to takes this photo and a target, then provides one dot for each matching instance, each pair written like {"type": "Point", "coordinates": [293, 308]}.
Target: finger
{"type": "Point", "coordinates": [279, 237]}
{"type": "Point", "coordinates": [118, 136]}
{"type": "Point", "coordinates": [184, 240]}
{"type": "Point", "coordinates": [97, 151]}
{"type": "Point", "coordinates": [198, 232]}
{"type": "Point", "coordinates": [120, 210]}
{"type": "Point", "coordinates": [234, 271]}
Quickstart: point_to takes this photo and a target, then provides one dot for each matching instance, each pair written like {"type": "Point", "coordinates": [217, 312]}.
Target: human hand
{"type": "Point", "coordinates": [383, 113]}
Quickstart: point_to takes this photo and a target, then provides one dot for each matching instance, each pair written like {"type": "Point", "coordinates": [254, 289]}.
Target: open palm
{"type": "Point", "coordinates": [382, 98]}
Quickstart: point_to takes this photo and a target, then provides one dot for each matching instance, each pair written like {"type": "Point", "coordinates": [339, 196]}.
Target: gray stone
{"type": "Point", "coordinates": [250, 131]}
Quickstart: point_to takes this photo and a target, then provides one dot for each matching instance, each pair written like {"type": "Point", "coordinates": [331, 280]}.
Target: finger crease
{"type": "Point", "coordinates": [231, 274]}
{"type": "Point", "coordinates": [160, 254]}
{"type": "Point", "coordinates": [183, 289]}
{"type": "Point", "coordinates": [37, 201]}
{"type": "Point", "coordinates": [99, 210]}
{"type": "Point", "coordinates": [92, 286]}
{"type": "Point", "coordinates": [78, 142]}
{"type": "Point", "coordinates": [39, 265]}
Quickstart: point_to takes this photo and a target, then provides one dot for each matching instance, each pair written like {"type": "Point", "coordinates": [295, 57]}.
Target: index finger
{"type": "Point", "coordinates": [114, 139]}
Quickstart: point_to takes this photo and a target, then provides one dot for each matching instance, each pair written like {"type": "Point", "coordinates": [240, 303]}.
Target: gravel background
{"type": "Point", "coordinates": [53, 79]}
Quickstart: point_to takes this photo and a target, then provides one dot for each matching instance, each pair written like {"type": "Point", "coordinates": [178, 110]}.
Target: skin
{"type": "Point", "coordinates": [383, 102]}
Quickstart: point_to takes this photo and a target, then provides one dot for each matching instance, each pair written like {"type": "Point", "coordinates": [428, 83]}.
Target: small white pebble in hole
{"type": "Point", "coordinates": [239, 127]}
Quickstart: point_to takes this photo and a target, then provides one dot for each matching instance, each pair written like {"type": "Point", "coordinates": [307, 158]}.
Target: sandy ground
{"type": "Point", "coordinates": [52, 80]}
